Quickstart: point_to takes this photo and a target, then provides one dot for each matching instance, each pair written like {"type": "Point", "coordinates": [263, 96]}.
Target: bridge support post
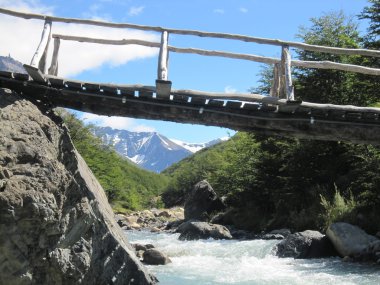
{"type": "Point", "coordinates": [286, 67]}
{"type": "Point", "coordinates": [39, 58]}
{"type": "Point", "coordinates": [163, 85]}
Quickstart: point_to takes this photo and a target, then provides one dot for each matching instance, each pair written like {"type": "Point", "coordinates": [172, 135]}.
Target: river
{"type": "Point", "coordinates": [246, 262]}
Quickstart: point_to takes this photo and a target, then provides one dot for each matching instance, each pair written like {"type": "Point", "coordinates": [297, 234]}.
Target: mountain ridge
{"type": "Point", "coordinates": [149, 150]}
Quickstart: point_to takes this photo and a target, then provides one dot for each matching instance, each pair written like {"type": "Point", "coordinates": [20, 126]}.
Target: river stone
{"type": "Point", "coordinates": [307, 244]}
{"type": "Point", "coordinates": [201, 202]}
{"type": "Point", "coordinates": [155, 257]}
{"type": "Point", "coordinates": [192, 230]}
{"type": "Point", "coordinates": [349, 240]}
{"type": "Point", "coordinates": [56, 226]}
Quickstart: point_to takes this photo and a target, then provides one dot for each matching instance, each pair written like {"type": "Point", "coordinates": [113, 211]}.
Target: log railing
{"type": "Point", "coordinates": [282, 83]}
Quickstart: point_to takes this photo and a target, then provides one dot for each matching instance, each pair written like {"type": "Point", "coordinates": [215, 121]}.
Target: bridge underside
{"type": "Point", "coordinates": [142, 102]}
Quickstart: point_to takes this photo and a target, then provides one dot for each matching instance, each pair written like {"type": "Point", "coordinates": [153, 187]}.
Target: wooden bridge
{"type": "Point", "coordinates": [277, 114]}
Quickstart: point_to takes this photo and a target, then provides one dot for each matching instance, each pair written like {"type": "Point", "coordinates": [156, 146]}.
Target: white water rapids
{"type": "Point", "coordinates": [246, 262]}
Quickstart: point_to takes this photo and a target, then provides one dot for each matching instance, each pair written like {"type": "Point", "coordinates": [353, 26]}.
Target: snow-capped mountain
{"type": "Point", "coordinates": [149, 150]}
{"type": "Point", "coordinates": [194, 147]}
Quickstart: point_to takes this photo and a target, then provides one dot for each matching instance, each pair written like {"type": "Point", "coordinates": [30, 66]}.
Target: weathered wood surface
{"type": "Point", "coordinates": [53, 69]}
{"type": "Point", "coordinates": [275, 88]}
{"type": "Point", "coordinates": [276, 42]}
{"type": "Point", "coordinates": [250, 57]}
{"type": "Point", "coordinates": [39, 57]}
{"type": "Point", "coordinates": [162, 72]}
{"type": "Point", "coordinates": [310, 122]}
{"type": "Point", "coordinates": [286, 64]}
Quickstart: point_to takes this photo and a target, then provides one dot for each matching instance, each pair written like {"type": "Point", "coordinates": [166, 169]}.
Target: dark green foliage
{"type": "Point", "coordinates": [274, 182]}
{"type": "Point", "coordinates": [127, 186]}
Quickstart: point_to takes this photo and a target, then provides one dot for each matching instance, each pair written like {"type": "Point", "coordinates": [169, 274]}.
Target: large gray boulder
{"type": "Point", "coordinates": [56, 226]}
{"type": "Point", "coordinates": [349, 240]}
{"type": "Point", "coordinates": [192, 230]}
{"type": "Point", "coordinates": [307, 244]}
{"type": "Point", "coordinates": [201, 202]}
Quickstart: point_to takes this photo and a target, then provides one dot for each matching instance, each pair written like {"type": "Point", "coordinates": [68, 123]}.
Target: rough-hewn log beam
{"type": "Point", "coordinates": [276, 42]}
{"type": "Point", "coordinates": [255, 58]}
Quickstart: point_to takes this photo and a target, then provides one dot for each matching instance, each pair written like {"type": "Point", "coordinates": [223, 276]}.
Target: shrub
{"type": "Point", "coordinates": [338, 210]}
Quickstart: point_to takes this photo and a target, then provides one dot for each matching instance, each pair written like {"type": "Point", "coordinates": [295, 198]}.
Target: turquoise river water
{"type": "Point", "coordinates": [246, 262]}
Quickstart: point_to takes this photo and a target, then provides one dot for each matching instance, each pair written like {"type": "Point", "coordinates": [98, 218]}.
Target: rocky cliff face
{"type": "Point", "coordinates": [56, 226]}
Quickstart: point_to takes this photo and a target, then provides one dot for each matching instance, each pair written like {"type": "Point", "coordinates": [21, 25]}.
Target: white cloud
{"type": "Point", "coordinates": [230, 89]}
{"type": "Point", "coordinates": [74, 57]}
{"type": "Point", "coordinates": [33, 6]}
{"type": "Point", "coordinates": [219, 11]}
{"type": "Point", "coordinates": [243, 10]}
{"type": "Point", "coordinates": [120, 123]}
{"type": "Point", "coordinates": [143, 128]}
{"type": "Point", "coordinates": [135, 11]}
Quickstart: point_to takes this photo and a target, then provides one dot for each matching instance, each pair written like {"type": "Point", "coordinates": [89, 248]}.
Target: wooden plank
{"type": "Point", "coordinates": [268, 108]}
{"type": "Point", "coordinates": [303, 111]}
{"type": "Point", "coordinates": [110, 90]}
{"type": "Point", "coordinates": [276, 42]}
{"type": "Point", "coordinates": [320, 113]}
{"type": "Point", "coordinates": [74, 85]}
{"type": "Point", "coordinates": [215, 103]}
{"type": "Point", "coordinates": [288, 108]}
{"type": "Point", "coordinates": [251, 107]}
{"type": "Point", "coordinates": [180, 98]}
{"type": "Point", "coordinates": [91, 87]}
{"type": "Point", "coordinates": [7, 74]}
{"type": "Point", "coordinates": [127, 92]}
{"type": "Point", "coordinates": [353, 116]}
{"type": "Point", "coordinates": [145, 94]}
{"type": "Point", "coordinates": [57, 82]}
{"type": "Point", "coordinates": [198, 101]}
{"type": "Point", "coordinates": [370, 116]}
{"type": "Point", "coordinates": [35, 73]}
{"type": "Point", "coordinates": [21, 76]}
{"type": "Point", "coordinates": [233, 105]}
{"type": "Point", "coordinates": [39, 57]}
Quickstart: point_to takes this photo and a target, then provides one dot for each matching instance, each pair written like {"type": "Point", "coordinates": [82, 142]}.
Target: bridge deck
{"type": "Point", "coordinates": [302, 120]}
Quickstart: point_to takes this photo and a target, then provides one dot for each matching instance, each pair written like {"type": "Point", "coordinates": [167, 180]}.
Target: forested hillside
{"type": "Point", "coordinates": [272, 182]}
{"type": "Point", "coordinates": [127, 186]}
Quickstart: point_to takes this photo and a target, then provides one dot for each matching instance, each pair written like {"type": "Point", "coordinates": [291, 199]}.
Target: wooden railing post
{"type": "Point", "coordinates": [163, 85]}
{"type": "Point", "coordinates": [53, 69]}
{"type": "Point", "coordinates": [39, 58]}
{"type": "Point", "coordinates": [275, 88]}
{"type": "Point", "coordinates": [286, 67]}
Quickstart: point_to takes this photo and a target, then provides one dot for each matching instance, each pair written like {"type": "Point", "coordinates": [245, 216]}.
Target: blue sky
{"type": "Point", "coordinates": [270, 19]}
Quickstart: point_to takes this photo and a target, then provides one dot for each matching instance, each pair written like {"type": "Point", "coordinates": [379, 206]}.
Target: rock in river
{"type": "Point", "coordinates": [155, 257]}
{"type": "Point", "coordinates": [348, 239]}
{"type": "Point", "coordinates": [307, 244]}
{"type": "Point", "coordinates": [201, 202]}
{"type": "Point", "coordinates": [56, 226]}
{"type": "Point", "coordinates": [193, 230]}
